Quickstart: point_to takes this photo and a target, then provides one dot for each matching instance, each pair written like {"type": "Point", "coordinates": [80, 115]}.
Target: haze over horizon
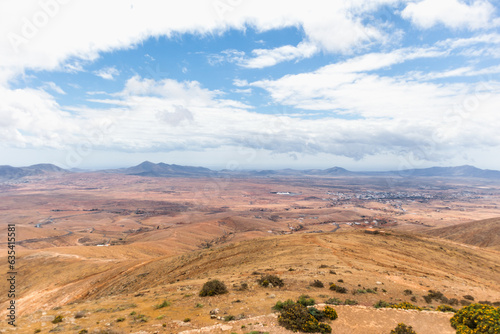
{"type": "Point", "coordinates": [384, 85]}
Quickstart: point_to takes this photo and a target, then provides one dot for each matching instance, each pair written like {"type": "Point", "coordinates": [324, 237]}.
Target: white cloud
{"type": "Point", "coordinates": [270, 57]}
{"type": "Point", "coordinates": [44, 38]}
{"type": "Point", "coordinates": [454, 14]}
{"type": "Point", "coordinates": [52, 86]}
{"type": "Point", "coordinates": [398, 117]}
{"type": "Point", "coordinates": [107, 73]}
{"type": "Point", "coordinates": [31, 117]}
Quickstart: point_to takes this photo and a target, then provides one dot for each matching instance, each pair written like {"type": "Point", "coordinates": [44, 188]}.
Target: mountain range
{"type": "Point", "coordinates": [161, 169]}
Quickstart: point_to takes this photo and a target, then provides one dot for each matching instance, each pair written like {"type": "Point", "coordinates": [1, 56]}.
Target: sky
{"type": "Point", "coordinates": [250, 84]}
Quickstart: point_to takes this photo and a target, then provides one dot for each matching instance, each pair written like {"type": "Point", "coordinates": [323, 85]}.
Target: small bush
{"type": "Point", "coordinates": [469, 297]}
{"type": "Point", "coordinates": [464, 302]}
{"type": "Point", "coordinates": [296, 317]}
{"type": "Point", "coordinates": [333, 301]}
{"type": "Point", "coordinates": [358, 291]}
{"type": "Point", "coordinates": [305, 300]}
{"type": "Point", "coordinates": [324, 328]}
{"type": "Point", "coordinates": [212, 288]}
{"type": "Point", "coordinates": [273, 280]}
{"type": "Point", "coordinates": [435, 295]}
{"type": "Point", "coordinates": [279, 304]}
{"type": "Point", "coordinates": [83, 331]}
{"type": "Point", "coordinates": [338, 288]}
{"type": "Point", "coordinates": [198, 305]}
{"type": "Point", "coordinates": [317, 284]}
{"type": "Point", "coordinates": [58, 319]}
{"type": "Point", "coordinates": [485, 302]}
{"type": "Point", "coordinates": [403, 329]}
{"type": "Point", "coordinates": [162, 305]}
{"type": "Point", "coordinates": [350, 302]}
{"type": "Point", "coordinates": [445, 308]}
{"type": "Point", "coordinates": [229, 317]}
{"type": "Point", "coordinates": [381, 304]}
{"type": "Point", "coordinates": [244, 286]}
{"type": "Point", "coordinates": [319, 315]}
{"type": "Point", "coordinates": [406, 306]}
{"type": "Point", "coordinates": [330, 313]}
{"type": "Point", "coordinates": [38, 330]}
{"type": "Point", "coordinates": [414, 299]}
{"type": "Point", "coordinates": [408, 292]}
{"type": "Point", "coordinates": [120, 319]}
{"type": "Point", "coordinates": [476, 319]}
{"type": "Point", "coordinates": [187, 319]}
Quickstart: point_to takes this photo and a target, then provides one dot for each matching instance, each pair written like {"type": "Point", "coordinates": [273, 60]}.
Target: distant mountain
{"type": "Point", "coordinates": [334, 171]}
{"type": "Point", "coordinates": [12, 173]}
{"type": "Point", "coordinates": [45, 168]}
{"type": "Point", "coordinates": [460, 171]}
{"type": "Point", "coordinates": [161, 169]}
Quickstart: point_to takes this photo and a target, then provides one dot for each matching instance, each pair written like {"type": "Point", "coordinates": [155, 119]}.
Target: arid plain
{"type": "Point", "coordinates": [110, 247]}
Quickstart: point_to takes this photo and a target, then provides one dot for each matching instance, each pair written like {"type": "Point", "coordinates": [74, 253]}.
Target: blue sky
{"type": "Point", "coordinates": [240, 84]}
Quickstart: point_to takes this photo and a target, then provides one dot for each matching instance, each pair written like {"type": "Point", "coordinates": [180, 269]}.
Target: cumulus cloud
{"type": "Point", "coordinates": [453, 14]}
{"type": "Point", "coordinates": [40, 36]}
{"type": "Point", "coordinates": [107, 73]}
{"type": "Point", "coordinates": [166, 115]}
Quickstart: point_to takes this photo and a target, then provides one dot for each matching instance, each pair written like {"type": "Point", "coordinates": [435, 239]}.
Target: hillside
{"type": "Point", "coordinates": [482, 233]}
{"type": "Point", "coordinates": [12, 173]}
{"type": "Point", "coordinates": [107, 278]}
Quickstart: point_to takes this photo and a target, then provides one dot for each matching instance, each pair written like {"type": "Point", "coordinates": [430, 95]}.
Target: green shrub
{"type": "Point", "coordinates": [305, 300]}
{"type": "Point", "coordinates": [477, 319]}
{"type": "Point", "coordinates": [187, 319]}
{"type": "Point", "coordinates": [435, 295]}
{"type": "Point", "coordinates": [121, 319]}
{"type": "Point", "coordinates": [162, 305]}
{"type": "Point", "coordinates": [469, 297]}
{"type": "Point", "coordinates": [408, 292]}
{"type": "Point", "coordinates": [279, 304]}
{"type": "Point", "coordinates": [296, 317]}
{"type": "Point", "coordinates": [405, 306]}
{"type": "Point", "coordinates": [324, 328]}
{"type": "Point", "coordinates": [212, 288]}
{"type": "Point", "coordinates": [381, 304]}
{"type": "Point", "coordinates": [319, 315]}
{"type": "Point", "coordinates": [229, 317]}
{"type": "Point", "coordinates": [350, 302]}
{"type": "Point", "coordinates": [464, 302]}
{"type": "Point", "coordinates": [273, 280]}
{"type": "Point", "coordinates": [445, 308]}
{"type": "Point", "coordinates": [317, 284]}
{"type": "Point", "coordinates": [330, 313]}
{"type": "Point", "coordinates": [198, 305]}
{"type": "Point", "coordinates": [333, 301]}
{"type": "Point", "coordinates": [57, 319]}
{"type": "Point", "coordinates": [338, 288]}
{"type": "Point", "coordinates": [403, 329]}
